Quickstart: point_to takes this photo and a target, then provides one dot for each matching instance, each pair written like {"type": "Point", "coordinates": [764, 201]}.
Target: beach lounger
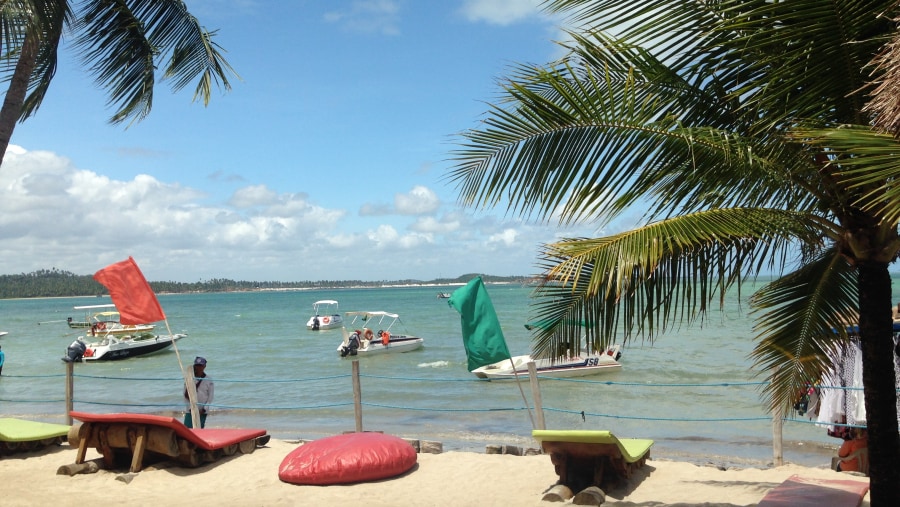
{"type": "Point", "coordinates": [799, 491]}
{"type": "Point", "coordinates": [22, 435]}
{"type": "Point", "coordinates": [592, 458]}
{"type": "Point", "coordinates": [134, 437]}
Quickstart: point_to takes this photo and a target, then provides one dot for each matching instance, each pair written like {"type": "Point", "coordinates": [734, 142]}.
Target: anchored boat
{"type": "Point", "coordinates": [365, 341]}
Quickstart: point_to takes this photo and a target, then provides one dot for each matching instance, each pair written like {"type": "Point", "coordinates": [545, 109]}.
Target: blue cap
{"type": "Point", "coordinates": [200, 361]}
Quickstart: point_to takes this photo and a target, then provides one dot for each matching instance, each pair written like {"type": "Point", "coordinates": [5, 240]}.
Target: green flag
{"type": "Point", "coordinates": [481, 331]}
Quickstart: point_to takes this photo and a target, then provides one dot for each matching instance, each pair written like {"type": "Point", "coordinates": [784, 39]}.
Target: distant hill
{"type": "Point", "coordinates": [56, 283]}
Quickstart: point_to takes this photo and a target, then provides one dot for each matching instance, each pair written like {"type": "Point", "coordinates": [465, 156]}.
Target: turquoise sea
{"type": "Point", "coordinates": [692, 391]}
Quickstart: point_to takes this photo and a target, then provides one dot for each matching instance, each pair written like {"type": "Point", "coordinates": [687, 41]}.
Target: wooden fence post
{"type": "Point", "coordinates": [777, 423]}
{"type": "Point", "coordinates": [70, 390]}
{"type": "Point", "coordinates": [357, 396]}
{"type": "Point", "coordinates": [536, 396]}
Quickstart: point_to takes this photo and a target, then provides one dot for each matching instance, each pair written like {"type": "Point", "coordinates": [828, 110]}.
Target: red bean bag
{"type": "Point", "coordinates": [351, 457]}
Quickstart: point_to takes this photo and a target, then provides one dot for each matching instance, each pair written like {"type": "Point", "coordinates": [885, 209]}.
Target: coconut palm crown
{"type": "Point", "coordinates": [121, 42]}
{"type": "Point", "coordinates": [742, 128]}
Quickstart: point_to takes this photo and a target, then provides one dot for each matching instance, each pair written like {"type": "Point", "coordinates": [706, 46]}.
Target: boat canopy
{"type": "Point", "coordinates": [94, 307]}
{"type": "Point", "coordinates": [325, 302]}
{"type": "Point", "coordinates": [370, 315]}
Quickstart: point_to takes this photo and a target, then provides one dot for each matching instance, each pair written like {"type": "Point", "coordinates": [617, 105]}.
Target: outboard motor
{"type": "Point", "coordinates": [315, 326]}
{"type": "Point", "coordinates": [352, 345]}
{"type": "Point", "coordinates": [75, 351]}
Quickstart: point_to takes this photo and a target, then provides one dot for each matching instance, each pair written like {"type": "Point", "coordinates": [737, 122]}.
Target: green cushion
{"type": "Point", "coordinates": [632, 449]}
{"type": "Point", "coordinates": [19, 430]}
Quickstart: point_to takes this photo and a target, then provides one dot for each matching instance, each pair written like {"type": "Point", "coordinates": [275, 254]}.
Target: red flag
{"type": "Point", "coordinates": [130, 292]}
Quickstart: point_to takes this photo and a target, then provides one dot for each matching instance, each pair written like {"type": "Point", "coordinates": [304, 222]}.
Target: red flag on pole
{"type": "Point", "coordinates": [130, 292]}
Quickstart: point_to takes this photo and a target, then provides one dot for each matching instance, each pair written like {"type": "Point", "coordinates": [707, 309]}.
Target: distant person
{"type": "Point", "coordinates": [205, 390]}
{"type": "Point", "coordinates": [859, 441]}
{"type": "Point", "coordinates": [2, 359]}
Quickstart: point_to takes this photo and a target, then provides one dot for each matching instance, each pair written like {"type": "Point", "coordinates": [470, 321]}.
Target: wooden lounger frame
{"type": "Point", "coordinates": [125, 435]}
{"type": "Point", "coordinates": [593, 458]}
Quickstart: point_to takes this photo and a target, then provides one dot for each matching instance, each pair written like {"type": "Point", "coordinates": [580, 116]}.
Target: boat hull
{"type": "Point", "coordinates": [126, 348]}
{"type": "Point", "coordinates": [325, 322]}
{"type": "Point", "coordinates": [578, 366]}
{"type": "Point", "coordinates": [398, 344]}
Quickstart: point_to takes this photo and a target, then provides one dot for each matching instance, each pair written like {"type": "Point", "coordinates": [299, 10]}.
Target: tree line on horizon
{"type": "Point", "coordinates": [58, 283]}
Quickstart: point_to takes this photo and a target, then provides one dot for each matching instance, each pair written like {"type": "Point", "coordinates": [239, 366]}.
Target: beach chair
{"type": "Point", "coordinates": [18, 435]}
{"type": "Point", "coordinates": [592, 458]}
{"type": "Point", "coordinates": [132, 438]}
{"type": "Point", "coordinates": [860, 454]}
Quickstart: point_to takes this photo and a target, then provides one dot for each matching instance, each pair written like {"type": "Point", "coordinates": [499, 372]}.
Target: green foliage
{"type": "Point", "coordinates": [56, 283]}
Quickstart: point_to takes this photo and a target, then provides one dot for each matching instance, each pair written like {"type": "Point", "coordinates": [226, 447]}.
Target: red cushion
{"type": "Point", "coordinates": [351, 457]}
{"type": "Point", "coordinates": [209, 439]}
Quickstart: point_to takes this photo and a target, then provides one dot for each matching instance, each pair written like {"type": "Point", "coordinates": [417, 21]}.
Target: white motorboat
{"type": "Point", "coordinates": [325, 316]}
{"type": "Point", "coordinates": [114, 347]}
{"type": "Point", "coordinates": [580, 365]}
{"type": "Point", "coordinates": [103, 323]}
{"type": "Point", "coordinates": [365, 342]}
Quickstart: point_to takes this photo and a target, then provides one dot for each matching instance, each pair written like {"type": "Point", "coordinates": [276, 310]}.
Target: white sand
{"type": "Point", "coordinates": [452, 479]}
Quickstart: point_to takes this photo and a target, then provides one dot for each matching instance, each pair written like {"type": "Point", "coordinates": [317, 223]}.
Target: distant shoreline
{"type": "Point", "coordinates": [278, 289]}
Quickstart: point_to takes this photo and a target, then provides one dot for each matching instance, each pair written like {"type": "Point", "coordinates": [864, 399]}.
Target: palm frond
{"type": "Point", "coordinates": [801, 319]}
{"type": "Point", "coordinates": [865, 165]}
{"type": "Point", "coordinates": [123, 41]}
{"type": "Point", "coordinates": [641, 282]}
{"type": "Point", "coordinates": [590, 141]}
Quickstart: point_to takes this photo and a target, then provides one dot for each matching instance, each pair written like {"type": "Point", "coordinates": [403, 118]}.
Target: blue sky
{"type": "Point", "coordinates": [326, 161]}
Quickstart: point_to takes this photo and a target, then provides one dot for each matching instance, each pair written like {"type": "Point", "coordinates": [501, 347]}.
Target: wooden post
{"type": "Point", "coordinates": [778, 454]}
{"type": "Point", "coordinates": [357, 396]}
{"type": "Point", "coordinates": [536, 396]}
{"type": "Point", "coordinates": [70, 390]}
{"type": "Point", "coordinates": [140, 444]}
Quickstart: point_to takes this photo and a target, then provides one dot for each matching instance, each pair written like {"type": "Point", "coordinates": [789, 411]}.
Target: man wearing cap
{"type": "Point", "coordinates": [205, 391]}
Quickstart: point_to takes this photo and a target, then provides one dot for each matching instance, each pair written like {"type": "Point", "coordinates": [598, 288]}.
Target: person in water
{"type": "Point", "coordinates": [205, 391]}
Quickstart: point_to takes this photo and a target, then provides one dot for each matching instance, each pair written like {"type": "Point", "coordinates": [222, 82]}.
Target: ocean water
{"type": "Point", "coordinates": [692, 391]}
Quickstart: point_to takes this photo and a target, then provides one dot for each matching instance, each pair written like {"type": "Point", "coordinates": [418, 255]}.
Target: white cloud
{"type": "Point", "coordinates": [506, 238]}
{"type": "Point", "coordinates": [431, 224]}
{"type": "Point", "coordinates": [419, 201]}
{"type": "Point", "coordinates": [56, 215]}
{"type": "Point", "coordinates": [256, 195]}
{"type": "Point", "coordinates": [368, 16]}
{"type": "Point", "coordinates": [501, 12]}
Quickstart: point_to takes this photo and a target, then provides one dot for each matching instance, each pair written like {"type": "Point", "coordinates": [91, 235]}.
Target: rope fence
{"type": "Point", "coordinates": [87, 395]}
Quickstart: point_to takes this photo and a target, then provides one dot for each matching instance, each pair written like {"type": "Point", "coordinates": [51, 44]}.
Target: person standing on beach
{"type": "Point", "coordinates": [205, 391]}
{"type": "Point", "coordinates": [2, 360]}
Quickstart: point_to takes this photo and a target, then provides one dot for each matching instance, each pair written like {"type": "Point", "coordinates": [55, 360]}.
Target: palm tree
{"type": "Point", "coordinates": [120, 41]}
{"type": "Point", "coordinates": [741, 126]}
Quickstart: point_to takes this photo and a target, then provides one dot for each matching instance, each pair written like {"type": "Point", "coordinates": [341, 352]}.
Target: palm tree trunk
{"type": "Point", "coordinates": [15, 94]}
{"type": "Point", "coordinates": [879, 379]}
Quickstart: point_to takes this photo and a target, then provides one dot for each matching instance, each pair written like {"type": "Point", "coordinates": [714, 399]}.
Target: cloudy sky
{"type": "Point", "coordinates": [326, 161]}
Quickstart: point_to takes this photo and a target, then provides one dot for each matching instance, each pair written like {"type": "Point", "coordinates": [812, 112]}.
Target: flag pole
{"type": "Point", "coordinates": [522, 391]}
{"type": "Point", "coordinates": [137, 303]}
{"type": "Point", "coordinates": [189, 384]}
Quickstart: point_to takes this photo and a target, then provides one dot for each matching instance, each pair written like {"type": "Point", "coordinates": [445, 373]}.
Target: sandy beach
{"type": "Point", "coordinates": [450, 478]}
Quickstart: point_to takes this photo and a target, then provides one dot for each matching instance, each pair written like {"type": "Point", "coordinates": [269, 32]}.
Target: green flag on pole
{"type": "Point", "coordinates": [481, 331]}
